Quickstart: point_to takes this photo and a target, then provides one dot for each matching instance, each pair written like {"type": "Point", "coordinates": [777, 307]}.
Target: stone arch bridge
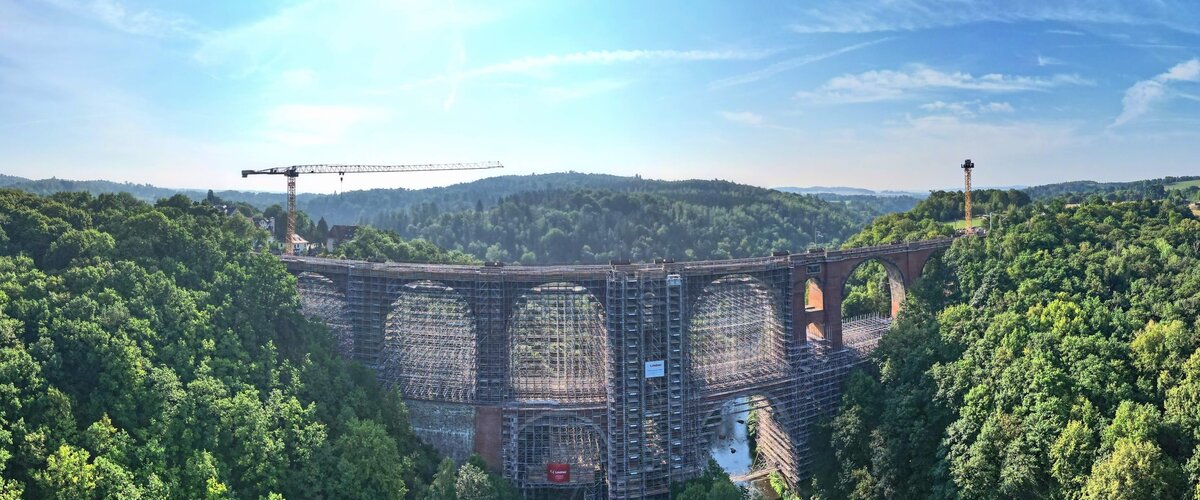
{"type": "Point", "coordinates": [600, 381]}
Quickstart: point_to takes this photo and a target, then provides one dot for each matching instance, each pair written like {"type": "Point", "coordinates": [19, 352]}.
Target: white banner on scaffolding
{"type": "Point", "coordinates": [655, 368]}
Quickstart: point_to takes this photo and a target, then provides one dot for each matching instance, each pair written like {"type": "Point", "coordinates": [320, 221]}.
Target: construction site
{"type": "Point", "coordinates": [610, 381]}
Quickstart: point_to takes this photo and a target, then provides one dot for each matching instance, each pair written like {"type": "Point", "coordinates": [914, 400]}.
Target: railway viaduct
{"type": "Point", "coordinates": [609, 381]}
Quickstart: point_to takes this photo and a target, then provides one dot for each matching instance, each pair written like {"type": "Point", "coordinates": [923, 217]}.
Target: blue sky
{"type": "Point", "coordinates": [885, 95]}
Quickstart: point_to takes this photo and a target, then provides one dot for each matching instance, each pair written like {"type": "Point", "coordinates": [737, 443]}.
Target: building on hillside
{"type": "Point", "coordinates": [266, 224]}
{"type": "Point", "coordinates": [339, 234]}
{"type": "Point", "coordinates": [299, 245]}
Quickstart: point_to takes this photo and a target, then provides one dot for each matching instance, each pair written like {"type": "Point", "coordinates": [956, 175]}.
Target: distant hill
{"type": "Point", "coordinates": [1076, 191]}
{"type": "Point", "coordinates": [366, 206]}
{"type": "Point", "coordinates": [144, 192]}
{"type": "Point", "coordinates": [849, 191]}
{"type": "Point", "coordinates": [633, 219]}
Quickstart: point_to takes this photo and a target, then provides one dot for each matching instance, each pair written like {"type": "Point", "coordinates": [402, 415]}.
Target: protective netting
{"type": "Point", "coordinates": [557, 345]}
{"type": "Point", "coordinates": [429, 344]}
{"type": "Point", "coordinates": [736, 333]}
{"type": "Point", "coordinates": [321, 300]}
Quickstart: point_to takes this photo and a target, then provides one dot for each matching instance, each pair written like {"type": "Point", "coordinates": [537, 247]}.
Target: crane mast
{"type": "Point", "coordinates": [294, 171]}
{"type": "Point", "coordinates": [967, 166]}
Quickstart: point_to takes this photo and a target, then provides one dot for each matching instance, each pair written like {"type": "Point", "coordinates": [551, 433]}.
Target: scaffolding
{"type": "Point", "coordinates": [736, 334]}
{"type": "Point", "coordinates": [556, 454]}
{"type": "Point", "coordinates": [320, 300]}
{"type": "Point", "coordinates": [429, 344]}
{"type": "Point", "coordinates": [646, 382]}
{"type": "Point", "coordinates": [556, 345]}
{"type": "Point", "coordinates": [602, 381]}
{"type": "Point", "coordinates": [861, 334]}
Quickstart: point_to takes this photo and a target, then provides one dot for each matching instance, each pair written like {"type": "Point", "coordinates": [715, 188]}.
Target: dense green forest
{"type": "Point", "coordinates": [872, 204]}
{"type": "Point", "coordinates": [365, 206]}
{"type": "Point", "coordinates": [685, 220]}
{"type": "Point", "coordinates": [145, 352]}
{"type": "Point", "coordinates": [1057, 357]}
{"type": "Point", "coordinates": [1078, 191]}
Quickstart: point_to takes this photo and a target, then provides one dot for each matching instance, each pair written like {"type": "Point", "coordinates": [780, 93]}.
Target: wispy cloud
{"type": "Point", "coordinates": [1066, 32]}
{"type": "Point", "coordinates": [336, 37]}
{"type": "Point", "coordinates": [308, 125]}
{"type": "Point", "coordinates": [1048, 61]}
{"type": "Point", "coordinates": [144, 22]}
{"type": "Point", "coordinates": [540, 64]}
{"type": "Point", "coordinates": [996, 107]}
{"type": "Point", "coordinates": [967, 108]}
{"type": "Point", "coordinates": [788, 64]}
{"type": "Point", "coordinates": [1142, 96]}
{"type": "Point", "coordinates": [742, 117]}
{"type": "Point", "coordinates": [881, 85]}
{"type": "Point", "coordinates": [865, 16]}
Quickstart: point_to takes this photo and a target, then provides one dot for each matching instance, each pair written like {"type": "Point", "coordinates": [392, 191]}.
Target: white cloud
{"type": "Point", "coordinates": [1066, 32]}
{"type": "Point", "coordinates": [144, 22]}
{"type": "Point", "coordinates": [309, 125]}
{"type": "Point", "coordinates": [1048, 61]}
{"type": "Point", "coordinates": [540, 64]}
{"type": "Point", "coordinates": [865, 16]}
{"type": "Point", "coordinates": [1141, 97]}
{"type": "Point", "coordinates": [880, 85]}
{"type": "Point", "coordinates": [380, 38]}
{"type": "Point", "coordinates": [996, 107]}
{"type": "Point", "coordinates": [1188, 71]}
{"type": "Point", "coordinates": [788, 64]}
{"type": "Point", "coordinates": [967, 108]}
{"type": "Point", "coordinates": [958, 108]}
{"type": "Point", "coordinates": [742, 117]}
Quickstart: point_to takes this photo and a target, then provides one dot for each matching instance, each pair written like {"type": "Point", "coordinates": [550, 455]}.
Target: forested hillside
{"type": "Point", "coordinates": [685, 220]}
{"type": "Point", "coordinates": [1057, 357]}
{"type": "Point", "coordinates": [145, 352]}
{"type": "Point", "coordinates": [1077, 191]}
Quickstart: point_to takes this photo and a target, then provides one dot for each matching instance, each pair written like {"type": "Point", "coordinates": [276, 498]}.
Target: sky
{"type": "Point", "coordinates": [883, 95]}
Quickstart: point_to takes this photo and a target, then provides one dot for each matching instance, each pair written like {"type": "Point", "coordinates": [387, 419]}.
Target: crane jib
{"type": "Point", "coordinates": [294, 171]}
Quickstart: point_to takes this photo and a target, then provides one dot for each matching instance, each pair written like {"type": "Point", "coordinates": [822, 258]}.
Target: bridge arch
{"type": "Point", "coordinates": [558, 439]}
{"type": "Point", "coordinates": [429, 343]}
{"type": "Point", "coordinates": [322, 300]}
{"type": "Point", "coordinates": [746, 433]}
{"type": "Point", "coordinates": [735, 333]}
{"type": "Point", "coordinates": [557, 345]}
{"type": "Point", "coordinates": [934, 259]}
{"type": "Point", "coordinates": [877, 274]}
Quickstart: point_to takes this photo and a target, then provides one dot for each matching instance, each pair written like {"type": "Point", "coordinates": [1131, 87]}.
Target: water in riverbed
{"type": "Point", "coordinates": [731, 448]}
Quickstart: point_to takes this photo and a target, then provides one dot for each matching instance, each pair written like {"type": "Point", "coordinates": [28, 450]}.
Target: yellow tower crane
{"type": "Point", "coordinates": [967, 166]}
{"type": "Point", "coordinates": [294, 171]}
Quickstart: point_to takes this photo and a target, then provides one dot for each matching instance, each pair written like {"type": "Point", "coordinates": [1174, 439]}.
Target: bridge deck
{"type": "Point", "coordinates": [600, 271]}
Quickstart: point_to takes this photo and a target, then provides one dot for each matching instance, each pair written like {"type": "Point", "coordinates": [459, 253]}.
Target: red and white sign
{"type": "Point", "coordinates": [558, 473]}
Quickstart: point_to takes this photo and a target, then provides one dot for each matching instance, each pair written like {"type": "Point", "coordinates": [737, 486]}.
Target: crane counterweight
{"type": "Point", "coordinates": [294, 171]}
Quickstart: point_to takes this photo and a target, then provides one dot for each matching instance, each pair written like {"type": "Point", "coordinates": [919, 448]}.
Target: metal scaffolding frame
{"type": "Point", "coordinates": [321, 300]}
{"type": "Point", "coordinates": [618, 373]}
{"type": "Point", "coordinates": [556, 345]}
{"type": "Point", "coordinates": [429, 344]}
{"type": "Point", "coordinates": [537, 438]}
